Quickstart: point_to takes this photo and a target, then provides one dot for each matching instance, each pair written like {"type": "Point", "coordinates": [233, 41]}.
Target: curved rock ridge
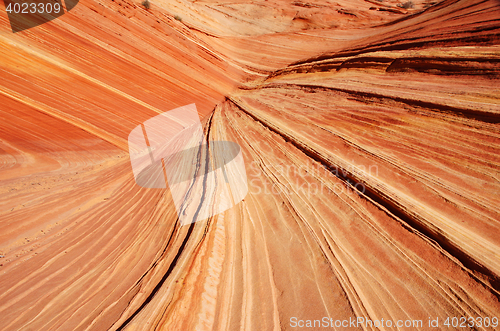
{"type": "Point", "coordinates": [371, 141]}
{"type": "Point", "coordinates": [251, 18]}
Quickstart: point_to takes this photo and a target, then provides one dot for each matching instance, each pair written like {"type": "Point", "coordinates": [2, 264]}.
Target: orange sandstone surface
{"type": "Point", "coordinates": [371, 140]}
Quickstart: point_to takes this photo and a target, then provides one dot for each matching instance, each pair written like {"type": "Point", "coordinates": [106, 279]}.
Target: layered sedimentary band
{"type": "Point", "coordinates": [371, 141]}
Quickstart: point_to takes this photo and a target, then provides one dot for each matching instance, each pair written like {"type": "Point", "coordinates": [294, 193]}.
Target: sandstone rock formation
{"type": "Point", "coordinates": [371, 140]}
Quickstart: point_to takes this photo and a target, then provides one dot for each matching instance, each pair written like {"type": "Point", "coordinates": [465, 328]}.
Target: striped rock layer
{"type": "Point", "coordinates": [371, 140]}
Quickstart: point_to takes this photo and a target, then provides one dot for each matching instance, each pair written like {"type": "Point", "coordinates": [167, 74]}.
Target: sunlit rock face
{"type": "Point", "coordinates": [370, 138]}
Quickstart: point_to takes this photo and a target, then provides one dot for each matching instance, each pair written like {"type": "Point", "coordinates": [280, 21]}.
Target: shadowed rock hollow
{"type": "Point", "coordinates": [371, 141]}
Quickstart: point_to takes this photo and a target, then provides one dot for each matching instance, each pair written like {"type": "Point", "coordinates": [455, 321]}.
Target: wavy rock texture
{"type": "Point", "coordinates": [371, 140]}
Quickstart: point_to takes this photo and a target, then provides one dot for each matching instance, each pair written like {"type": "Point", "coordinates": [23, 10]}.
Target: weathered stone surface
{"type": "Point", "coordinates": [371, 142]}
